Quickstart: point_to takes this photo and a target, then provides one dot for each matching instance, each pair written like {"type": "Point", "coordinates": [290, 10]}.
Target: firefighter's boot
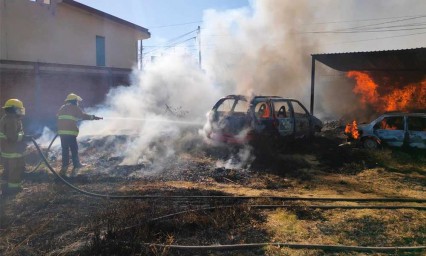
{"type": "Point", "coordinates": [63, 171]}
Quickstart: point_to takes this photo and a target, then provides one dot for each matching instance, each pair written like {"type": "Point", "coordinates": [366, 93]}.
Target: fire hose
{"type": "Point", "coordinates": [47, 150]}
{"type": "Point", "coordinates": [107, 196]}
{"type": "Point", "coordinates": [255, 245]}
{"type": "Point", "coordinates": [229, 247]}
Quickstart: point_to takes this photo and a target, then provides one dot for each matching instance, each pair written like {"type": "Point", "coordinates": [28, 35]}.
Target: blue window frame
{"type": "Point", "coordinates": [100, 51]}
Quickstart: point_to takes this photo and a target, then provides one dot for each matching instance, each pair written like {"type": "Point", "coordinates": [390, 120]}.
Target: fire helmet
{"type": "Point", "coordinates": [16, 104]}
{"type": "Point", "coordinates": [73, 96]}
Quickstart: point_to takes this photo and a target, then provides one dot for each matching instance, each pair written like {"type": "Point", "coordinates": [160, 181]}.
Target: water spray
{"type": "Point", "coordinates": [155, 120]}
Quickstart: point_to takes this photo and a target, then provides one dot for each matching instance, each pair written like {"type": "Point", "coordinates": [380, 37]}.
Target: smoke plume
{"type": "Point", "coordinates": [263, 49]}
{"type": "Point", "coordinates": [170, 96]}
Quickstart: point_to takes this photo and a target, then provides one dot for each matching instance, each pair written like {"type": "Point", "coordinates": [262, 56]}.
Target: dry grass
{"type": "Point", "coordinates": [50, 219]}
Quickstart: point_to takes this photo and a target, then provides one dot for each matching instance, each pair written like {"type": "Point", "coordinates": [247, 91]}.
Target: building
{"type": "Point", "coordinates": [49, 48]}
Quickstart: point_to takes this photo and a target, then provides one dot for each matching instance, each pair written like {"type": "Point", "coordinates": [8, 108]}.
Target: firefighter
{"type": "Point", "coordinates": [12, 146]}
{"type": "Point", "coordinates": [68, 116]}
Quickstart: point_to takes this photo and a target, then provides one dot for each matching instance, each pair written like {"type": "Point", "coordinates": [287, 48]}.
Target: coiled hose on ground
{"type": "Point", "coordinates": [107, 196]}
{"type": "Point", "coordinates": [255, 245]}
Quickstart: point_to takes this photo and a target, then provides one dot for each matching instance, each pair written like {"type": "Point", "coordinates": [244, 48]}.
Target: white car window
{"type": "Point", "coordinates": [299, 111]}
{"type": "Point", "coordinates": [226, 106]}
{"type": "Point", "coordinates": [241, 107]}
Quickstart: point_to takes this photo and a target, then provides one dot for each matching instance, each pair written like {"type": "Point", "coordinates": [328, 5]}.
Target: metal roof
{"type": "Point", "coordinates": [107, 16]}
{"type": "Point", "coordinates": [391, 60]}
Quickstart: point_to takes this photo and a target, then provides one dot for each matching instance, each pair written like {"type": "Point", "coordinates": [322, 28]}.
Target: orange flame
{"type": "Point", "coordinates": [352, 130]}
{"type": "Point", "coordinates": [411, 96]}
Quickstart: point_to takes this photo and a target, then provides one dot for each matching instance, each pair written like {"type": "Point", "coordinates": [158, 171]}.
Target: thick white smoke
{"type": "Point", "coordinates": [266, 49]}
{"type": "Point", "coordinates": [262, 49]}
{"type": "Point", "coordinates": [168, 96]}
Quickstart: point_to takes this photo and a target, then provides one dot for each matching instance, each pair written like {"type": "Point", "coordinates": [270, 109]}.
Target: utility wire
{"type": "Point", "coordinates": [357, 29]}
{"type": "Point", "coordinates": [170, 41]}
{"type": "Point", "coordinates": [379, 38]}
{"type": "Point", "coordinates": [361, 20]}
{"type": "Point", "coordinates": [175, 25]}
{"type": "Point", "coordinates": [364, 31]}
{"type": "Point", "coordinates": [169, 46]}
{"type": "Point", "coordinates": [388, 22]}
{"type": "Point", "coordinates": [179, 37]}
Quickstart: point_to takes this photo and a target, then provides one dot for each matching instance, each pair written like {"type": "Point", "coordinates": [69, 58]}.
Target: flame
{"type": "Point", "coordinates": [404, 98]}
{"type": "Point", "coordinates": [384, 125]}
{"type": "Point", "coordinates": [365, 87]}
{"type": "Point", "coordinates": [352, 130]}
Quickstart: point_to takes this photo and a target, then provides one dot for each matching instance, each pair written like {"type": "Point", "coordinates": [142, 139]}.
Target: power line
{"type": "Point", "coordinates": [169, 41]}
{"type": "Point", "coordinates": [363, 31]}
{"type": "Point", "coordinates": [382, 23]}
{"type": "Point", "coordinates": [357, 29]}
{"type": "Point", "coordinates": [175, 25]}
{"type": "Point", "coordinates": [379, 38]}
{"type": "Point", "coordinates": [360, 20]}
{"type": "Point", "coordinates": [170, 46]}
{"type": "Point", "coordinates": [179, 37]}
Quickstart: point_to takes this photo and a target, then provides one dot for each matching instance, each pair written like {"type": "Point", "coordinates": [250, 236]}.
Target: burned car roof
{"type": "Point", "coordinates": [242, 97]}
{"type": "Point", "coordinates": [239, 119]}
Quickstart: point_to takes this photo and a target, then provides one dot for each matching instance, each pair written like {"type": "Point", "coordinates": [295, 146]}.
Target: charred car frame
{"type": "Point", "coordinates": [394, 129]}
{"type": "Point", "coordinates": [237, 119]}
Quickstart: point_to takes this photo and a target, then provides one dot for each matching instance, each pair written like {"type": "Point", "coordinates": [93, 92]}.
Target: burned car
{"type": "Point", "coordinates": [394, 129]}
{"type": "Point", "coordinates": [237, 119]}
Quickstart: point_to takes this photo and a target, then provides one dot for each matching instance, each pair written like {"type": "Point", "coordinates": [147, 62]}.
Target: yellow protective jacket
{"type": "Point", "coordinates": [11, 135]}
{"type": "Point", "coordinates": [68, 116]}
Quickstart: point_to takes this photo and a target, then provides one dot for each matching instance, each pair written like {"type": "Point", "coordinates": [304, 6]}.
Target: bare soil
{"type": "Point", "coordinates": [49, 218]}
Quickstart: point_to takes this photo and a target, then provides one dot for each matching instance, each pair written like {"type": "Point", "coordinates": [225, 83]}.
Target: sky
{"type": "Point", "coordinates": [168, 19]}
{"type": "Point", "coordinates": [265, 46]}
{"type": "Point", "coordinates": [252, 47]}
{"type": "Point", "coordinates": [165, 19]}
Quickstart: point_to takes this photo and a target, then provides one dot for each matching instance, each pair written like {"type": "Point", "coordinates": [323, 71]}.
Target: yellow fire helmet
{"type": "Point", "coordinates": [17, 104]}
{"type": "Point", "coordinates": [73, 96]}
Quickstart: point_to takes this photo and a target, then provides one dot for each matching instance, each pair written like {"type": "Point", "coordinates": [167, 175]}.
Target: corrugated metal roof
{"type": "Point", "coordinates": [389, 60]}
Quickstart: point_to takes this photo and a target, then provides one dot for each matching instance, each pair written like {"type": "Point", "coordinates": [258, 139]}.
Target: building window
{"type": "Point", "coordinates": [46, 1]}
{"type": "Point", "coordinates": [100, 51]}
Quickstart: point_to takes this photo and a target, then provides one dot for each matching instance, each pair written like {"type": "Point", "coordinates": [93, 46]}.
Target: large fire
{"type": "Point", "coordinates": [387, 98]}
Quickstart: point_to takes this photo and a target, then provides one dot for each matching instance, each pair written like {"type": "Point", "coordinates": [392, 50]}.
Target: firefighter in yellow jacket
{"type": "Point", "coordinates": [12, 146]}
{"type": "Point", "coordinates": [68, 116]}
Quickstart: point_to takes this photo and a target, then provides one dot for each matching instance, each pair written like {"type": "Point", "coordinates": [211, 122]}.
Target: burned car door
{"type": "Point", "coordinates": [284, 116]}
{"type": "Point", "coordinates": [229, 117]}
{"type": "Point", "coordinates": [301, 120]}
{"type": "Point", "coordinates": [263, 117]}
{"type": "Point", "coordinates": [391, 130]}
{"type": "Point", "coordinates": [417, 131]}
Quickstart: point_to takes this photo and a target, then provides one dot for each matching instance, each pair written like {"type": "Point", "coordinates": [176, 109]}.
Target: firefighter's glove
{"type": "Point", "coordinates": [97, 117]}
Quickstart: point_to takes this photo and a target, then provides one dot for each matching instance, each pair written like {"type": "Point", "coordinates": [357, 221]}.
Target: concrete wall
{"type": "Point", "coordinates": [43, 88]}
{"type": "Point", "coordinates": [49, 50]}
{"type": "Point", "coordinates": [61, 33]}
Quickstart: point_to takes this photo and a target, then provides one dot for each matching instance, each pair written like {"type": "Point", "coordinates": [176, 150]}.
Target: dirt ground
{"type": "Point", "coordinates": [49, 218]}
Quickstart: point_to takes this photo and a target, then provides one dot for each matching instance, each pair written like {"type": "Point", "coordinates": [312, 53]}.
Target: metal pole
{"type": "Point", "coordinates": [199, 46]}
{"type": "Point", "coordinates": [140, 54]}
{"type": "Point", "coordinates": [312, 84]}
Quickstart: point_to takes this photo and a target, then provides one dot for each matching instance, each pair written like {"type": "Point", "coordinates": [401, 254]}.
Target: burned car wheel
{"type": "Point", "coordinates": [370, 143]}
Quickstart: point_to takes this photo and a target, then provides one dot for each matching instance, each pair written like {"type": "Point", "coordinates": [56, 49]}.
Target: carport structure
{"type": "Point", "coordinates": [391, 61]}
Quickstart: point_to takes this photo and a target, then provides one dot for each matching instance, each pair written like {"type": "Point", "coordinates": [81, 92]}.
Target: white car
{"type": "Point", "coordinates": [394, 129]}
